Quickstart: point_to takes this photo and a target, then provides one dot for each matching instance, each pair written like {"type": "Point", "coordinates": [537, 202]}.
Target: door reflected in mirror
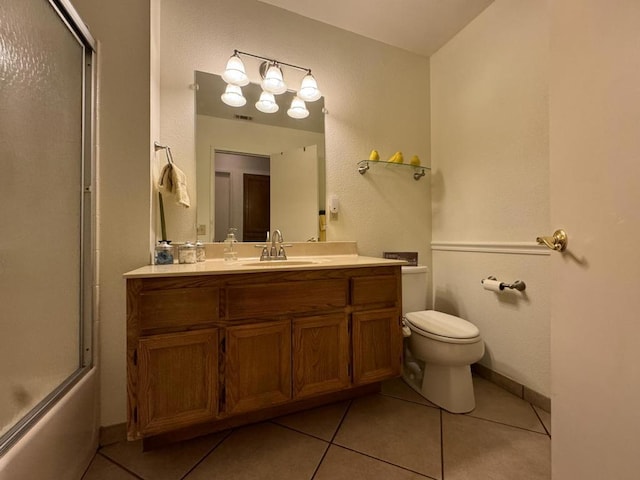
{"type": "Point", "coordinates": [257, 171]}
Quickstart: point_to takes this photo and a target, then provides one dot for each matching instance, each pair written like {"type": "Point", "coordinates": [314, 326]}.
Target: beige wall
{"type": "Point", "coordinates": [377, 97]}
{"type": "Point", "coordinates": [490, 192]}
{"type": "Point", "coordinates": [124, 151]}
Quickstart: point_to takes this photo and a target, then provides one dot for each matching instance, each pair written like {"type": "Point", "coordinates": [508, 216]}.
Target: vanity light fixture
{"type": "Point", "coordinates": [235, 73]}
{"type": "Point", "coordinates": [233, 97]}
{"type": "Point", "coordinates": [298, 108]}
{"type": "Point", "coordinates": [309, 89]}
{"type": "Point", "coordinates": [267, 103]}
{"type": "Point", "coordinates": [273, 83]}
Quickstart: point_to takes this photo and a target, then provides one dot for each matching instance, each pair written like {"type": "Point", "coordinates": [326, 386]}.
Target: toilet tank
{"type": "Point", "coordinates": [415, 289]}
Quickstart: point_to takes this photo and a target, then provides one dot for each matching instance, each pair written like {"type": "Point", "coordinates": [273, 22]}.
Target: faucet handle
{"type": "Point", "coordinates": [282, 254]}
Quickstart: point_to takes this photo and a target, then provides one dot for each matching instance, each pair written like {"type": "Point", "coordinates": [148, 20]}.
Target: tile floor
{"type": "Point", "coordinates": [394, 435]}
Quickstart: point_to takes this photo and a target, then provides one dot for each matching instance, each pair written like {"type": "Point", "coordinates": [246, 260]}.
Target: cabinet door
{"type": "Point", "coordinates": [320, 354]}
{"type": "Point", "coordinates": [177, 380]}
{"type": "Point", "coordinates": [377, 345]}
{"type": "Point", "coordinates": [258, 365]}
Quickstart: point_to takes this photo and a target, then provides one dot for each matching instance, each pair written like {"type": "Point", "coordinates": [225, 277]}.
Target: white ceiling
{"type": "Point", "coordinates": [420, 26]}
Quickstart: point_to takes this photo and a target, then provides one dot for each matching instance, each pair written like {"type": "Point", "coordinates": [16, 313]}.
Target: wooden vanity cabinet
{"type": "Point", "coordinates": [223, 350]}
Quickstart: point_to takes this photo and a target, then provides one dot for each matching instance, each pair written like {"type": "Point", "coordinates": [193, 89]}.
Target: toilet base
{"type": "Point", "coordinates": [449, 387]}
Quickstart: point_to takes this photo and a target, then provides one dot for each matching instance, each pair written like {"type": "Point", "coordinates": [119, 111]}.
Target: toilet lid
{"type": "Point", "coordinates": [442, 324]}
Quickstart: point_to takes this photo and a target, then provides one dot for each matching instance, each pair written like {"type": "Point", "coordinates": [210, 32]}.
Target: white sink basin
{"type": "Point", "coordinates": [274, 263]}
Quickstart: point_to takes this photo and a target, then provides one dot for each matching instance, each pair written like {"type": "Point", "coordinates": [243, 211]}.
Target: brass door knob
{"type": "Point", "coordinates": [558, 241]}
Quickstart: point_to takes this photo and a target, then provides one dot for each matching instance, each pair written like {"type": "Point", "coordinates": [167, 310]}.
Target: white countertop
{"type": "Point", "coordinates": [253, 264]}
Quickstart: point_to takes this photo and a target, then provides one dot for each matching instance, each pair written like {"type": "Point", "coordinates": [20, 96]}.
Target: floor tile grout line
{"type": "Point", "coordinates": [383, 461]}
{"type": "Point", "coordinates": [441, 446]}
{"type": "Point", "coordinates": [415, 402]}
{"type": "Point", "coordinates": [315, 472]}
{"type": "Point", "coordinates": [329, 443]}
{"type": "Point", "coordinates": [306, 434]}
{"type": "Point", "coordinates": [540, 419]}
{"type": "Point", "coordinates": [344, 415]}
{"type": "Point", "coordinates": [118, 465]}
{"type": "Point", "coordinates": [275, 422]}
{"type": "Point", "coordinates": [472, 416]}
{"type": "Point", "coordinates": [207, 454]}
{"type": "Point", "coordinates": [502, 423]}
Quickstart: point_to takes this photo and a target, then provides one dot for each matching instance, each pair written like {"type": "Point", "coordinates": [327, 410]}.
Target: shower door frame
{"type": "Point", "coordinates": [70, 18]}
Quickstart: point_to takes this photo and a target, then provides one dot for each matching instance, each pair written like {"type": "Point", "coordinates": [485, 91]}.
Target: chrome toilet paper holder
{"type": "Point", "coordinates": [517, 285]}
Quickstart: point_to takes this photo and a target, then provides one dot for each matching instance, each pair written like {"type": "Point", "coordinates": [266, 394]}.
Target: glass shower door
{"type": "Point", "coordinates": [45, 207]}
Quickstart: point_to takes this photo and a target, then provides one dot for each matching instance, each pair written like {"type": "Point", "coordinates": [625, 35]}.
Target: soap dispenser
{"type": "Point", "coordinates": [230, 254]}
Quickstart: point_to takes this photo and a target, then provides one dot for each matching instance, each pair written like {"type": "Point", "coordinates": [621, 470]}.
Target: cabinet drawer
{"type": "Point", "coordinates": [283, 298]}
{"type": "Point", "coordinates": [378, 289]}
{"type": "Point", "coordinates": [179, 307]}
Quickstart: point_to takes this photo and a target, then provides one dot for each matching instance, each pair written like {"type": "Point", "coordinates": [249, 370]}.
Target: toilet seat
{"type": "Point", "coordinates": [442, 327]}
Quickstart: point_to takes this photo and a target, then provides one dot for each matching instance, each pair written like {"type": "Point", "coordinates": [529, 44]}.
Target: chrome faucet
{"type": "Point", "coordinates": [276, 238]}
{"type": "Point", "coordinates": [276, 250]}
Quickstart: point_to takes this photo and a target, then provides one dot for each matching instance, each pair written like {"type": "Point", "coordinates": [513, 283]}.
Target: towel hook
{"type": "Point", "coordinates": [167, 150]}
{"type": "Point", "coordinates": [169, 156]}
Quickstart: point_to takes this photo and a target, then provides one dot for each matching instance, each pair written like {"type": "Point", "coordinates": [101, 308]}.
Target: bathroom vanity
{"type": "Point", "coordinates": [212, 346]}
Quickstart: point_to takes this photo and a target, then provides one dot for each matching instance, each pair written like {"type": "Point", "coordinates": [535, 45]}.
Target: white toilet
{"type": "Point", "coordinates": [439, 349]}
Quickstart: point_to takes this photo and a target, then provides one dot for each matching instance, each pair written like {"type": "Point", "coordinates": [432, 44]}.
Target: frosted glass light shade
{"type": "Point", "coordinates": [267, 103]}
{"type": "Point", "coordinates": [233, 97]}
{"type": "Point", "coordinates": [273, 82]}
{"type": "Point", "coordinates": [235, 73]}
{"type": "Point", "coordinates": [309, 89]}
{"type": "Point", "coordinates": [298, 109]}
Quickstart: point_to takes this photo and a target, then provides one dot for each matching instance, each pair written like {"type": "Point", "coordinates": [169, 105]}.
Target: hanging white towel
{"type": "Point", "coordinates": [173, 180]}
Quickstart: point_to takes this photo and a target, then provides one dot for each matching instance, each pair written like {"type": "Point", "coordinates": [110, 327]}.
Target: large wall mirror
{"type": "Point", "coordinates": [257, 171]}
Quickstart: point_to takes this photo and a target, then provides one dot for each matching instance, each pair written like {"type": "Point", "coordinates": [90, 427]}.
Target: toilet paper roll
{"type": "Point", "coordinates": [492, 285]}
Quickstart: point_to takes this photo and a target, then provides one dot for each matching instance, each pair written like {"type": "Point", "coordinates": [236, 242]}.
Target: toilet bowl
{"type": "Point", "coordinates": [445, 347]}
{"type": "Point", "coordinates": [440, 348]}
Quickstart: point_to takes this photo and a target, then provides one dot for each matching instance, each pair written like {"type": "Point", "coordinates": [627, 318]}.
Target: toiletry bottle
{"type": "Point", "coordinates": [322, 226]}
{"type": "Point", "coordinates": [230, 253]}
